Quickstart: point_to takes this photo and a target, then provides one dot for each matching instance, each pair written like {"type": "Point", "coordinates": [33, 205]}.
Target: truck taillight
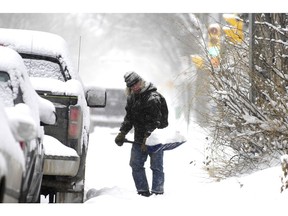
{"type": "Point", "coordinates": [74, 127]}
{"type": "Point", "coordinates": [22, 145]}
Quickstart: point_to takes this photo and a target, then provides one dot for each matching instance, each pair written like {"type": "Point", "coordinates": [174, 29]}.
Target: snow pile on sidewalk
{"type": "Point", "coordinates": [166, 135]}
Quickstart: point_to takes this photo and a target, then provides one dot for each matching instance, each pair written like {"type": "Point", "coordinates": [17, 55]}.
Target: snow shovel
{"type": "Point", "coordinates": [159, 147]}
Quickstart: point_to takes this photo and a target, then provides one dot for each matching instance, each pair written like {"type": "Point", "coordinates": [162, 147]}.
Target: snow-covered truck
{"type": "Point", "coordinates": [66, 143]}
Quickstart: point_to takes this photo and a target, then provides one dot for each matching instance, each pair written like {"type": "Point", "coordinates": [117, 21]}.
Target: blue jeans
{"type": "Point", "coordinates": [137, 161]}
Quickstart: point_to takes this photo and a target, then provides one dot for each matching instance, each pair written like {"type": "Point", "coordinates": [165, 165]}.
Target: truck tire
{"type": "Point", "coordinates": [70, 197]}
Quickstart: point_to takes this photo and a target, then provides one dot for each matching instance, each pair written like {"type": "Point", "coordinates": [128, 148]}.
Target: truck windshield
{"type": "Point", "coordinates": [43, 68]}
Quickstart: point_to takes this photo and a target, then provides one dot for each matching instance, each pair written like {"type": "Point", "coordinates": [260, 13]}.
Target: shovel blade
{"type": "Point", "coordinates": [164, 147]}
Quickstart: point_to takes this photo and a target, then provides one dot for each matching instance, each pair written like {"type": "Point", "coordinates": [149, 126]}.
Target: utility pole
{"type": "Point", "coordinates": [79, 53]}
{"type": "Point", "coordinates": [251, 60]}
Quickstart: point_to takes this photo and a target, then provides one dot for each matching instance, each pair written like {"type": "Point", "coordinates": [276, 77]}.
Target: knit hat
{"type": "Point", "coordinates": [131, 78]}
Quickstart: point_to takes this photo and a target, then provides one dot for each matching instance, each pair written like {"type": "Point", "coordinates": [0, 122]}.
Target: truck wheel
{"type": "Point", "coordinates": [70, 197]}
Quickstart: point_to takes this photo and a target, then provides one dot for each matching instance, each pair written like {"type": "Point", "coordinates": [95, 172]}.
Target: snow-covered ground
{"type": "Point", "coordinates": [188, 189]}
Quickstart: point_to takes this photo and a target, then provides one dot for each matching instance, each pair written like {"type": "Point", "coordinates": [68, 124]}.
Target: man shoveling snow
{"type": "Point", "coordinates": [145, 112]}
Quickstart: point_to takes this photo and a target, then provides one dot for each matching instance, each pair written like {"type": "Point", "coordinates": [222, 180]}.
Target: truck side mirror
{"type": "Point", "coordinates": [96, 97]}
{"type": "Point", "coordinates": [47, 111]}
{"type": "Point", "coordinates": [21, 122]}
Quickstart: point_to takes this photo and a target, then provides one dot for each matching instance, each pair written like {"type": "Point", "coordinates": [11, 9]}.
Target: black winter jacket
{"type": "Point", "coordinates": [142, 112]}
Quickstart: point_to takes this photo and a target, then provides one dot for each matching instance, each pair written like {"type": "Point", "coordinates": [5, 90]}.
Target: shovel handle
{"type": "Point", "coordinates": [129, 141]}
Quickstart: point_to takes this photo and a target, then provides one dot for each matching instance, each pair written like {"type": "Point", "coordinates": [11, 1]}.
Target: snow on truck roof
{"type": "Point", "coordinates": [36, 42]}
{"type": "Point", "coordinates": [27, 41]}
{"type": "Point", "coordinates": [10, 60]}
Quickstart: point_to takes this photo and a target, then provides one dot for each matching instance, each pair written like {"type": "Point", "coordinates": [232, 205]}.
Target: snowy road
{"type": "Point", "coordinates": [188, 190]}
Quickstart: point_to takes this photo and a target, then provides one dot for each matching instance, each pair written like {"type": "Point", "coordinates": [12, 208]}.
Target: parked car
{"type": "Point", "coordinates": [16, 89]}
{"type": "Point", "coordinates": [53, 76]}
{"type": "Point", "coordinates": [15, 130]}
{"type": "Point", "coordinates": [113, 113]}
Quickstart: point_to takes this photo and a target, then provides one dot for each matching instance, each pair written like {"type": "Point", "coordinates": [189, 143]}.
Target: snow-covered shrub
{"type": "Point", "coordinates": [251, 118]}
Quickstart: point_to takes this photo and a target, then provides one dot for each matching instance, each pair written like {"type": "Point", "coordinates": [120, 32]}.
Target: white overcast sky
{"type": "Point", "coordinates": [149, 6]}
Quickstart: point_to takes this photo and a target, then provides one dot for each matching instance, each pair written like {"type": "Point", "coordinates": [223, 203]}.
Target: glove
{"type": "Point", "coordinates": [119, 139]}
{"type": "Point", "coordinates": [143, 145]}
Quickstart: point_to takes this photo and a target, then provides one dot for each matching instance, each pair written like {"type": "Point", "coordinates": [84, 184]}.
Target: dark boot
{"type": "Point", "coordinates": [144, 193]}
{"type": "Point", "coordinates": [155, 193]}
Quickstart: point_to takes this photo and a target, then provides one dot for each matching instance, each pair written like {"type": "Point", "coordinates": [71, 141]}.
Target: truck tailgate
{"type": "Point", "coordinates": [59, 159]}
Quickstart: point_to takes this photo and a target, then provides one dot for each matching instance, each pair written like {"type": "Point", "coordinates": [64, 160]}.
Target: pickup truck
{"type": "Point", "coordinates": [66, 143]}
